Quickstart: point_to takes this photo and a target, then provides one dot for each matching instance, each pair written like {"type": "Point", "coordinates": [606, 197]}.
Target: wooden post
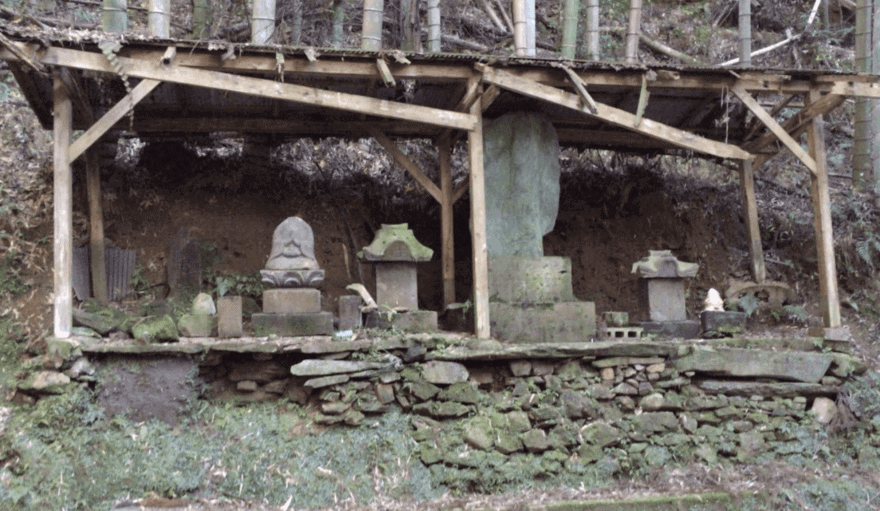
{"type": "Point", "coordinates": [63, 205]}
{"type": "Point", "coordinates": [829, 301]}
{"type": "Point", "coordinates": [478, 226]}
{"type": "Point", "coordinates": [96, 226]}
{"type": "Point", "coordinates": [519, 28]}
{"type": "Point", "coordinates": [448, 243]}
{"type": "Point", "coordinates": [750, 212]}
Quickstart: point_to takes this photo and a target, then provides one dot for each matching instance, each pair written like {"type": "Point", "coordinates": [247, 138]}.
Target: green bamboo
{"type": "Point", "coordinates": [202, 18]}
{"type": "Point", "coordinates": [569, 28]}
{"type": "Point", "coordinates": [114, 17]}
{"type": "Point", "coordinates": [338, 20]}
{"type": "Point", "coordinates": [371, 35]}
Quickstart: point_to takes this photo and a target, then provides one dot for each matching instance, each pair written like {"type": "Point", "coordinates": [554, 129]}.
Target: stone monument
{"type": "Point", "coordinates": [531, 297]}
{"type": "Point", "coordinates": [394, 252]}
{"type": "Point", "coordinates": [293, 306]}
{"type": "Point", "coordinates": [661, 282]}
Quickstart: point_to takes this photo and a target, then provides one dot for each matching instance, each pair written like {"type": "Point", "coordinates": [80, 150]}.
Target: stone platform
{"type": "Point", "coordinates": [410, 321]}
{"type": "Point", "coordinates": [317, 323]}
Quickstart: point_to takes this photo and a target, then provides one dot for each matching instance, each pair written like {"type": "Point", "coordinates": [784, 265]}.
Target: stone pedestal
{"type": "Point", "coordinates": [727, 322]}
{"type": "Point", "coordinates": [532, 301]}
{"type": "Point", "coordinates": [663, 299]}
{"type": "Point", "coordinates": [411, 321]}
{"type": "Point", "coordinates": [291, 301]}
{"type": "Point", "coordinates": [293, 325]}
{"type": "Point", "coordinates": [662, 294]}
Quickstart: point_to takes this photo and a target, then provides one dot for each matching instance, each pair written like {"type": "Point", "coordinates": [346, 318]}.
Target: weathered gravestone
{"type": "Point", "coordinates": [532, 298]}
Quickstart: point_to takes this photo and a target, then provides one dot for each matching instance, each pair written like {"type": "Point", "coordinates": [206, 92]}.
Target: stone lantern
{"type": "Point", "coordinates": [395, 252]}
{"type": "Point", "coordinates": [661, 282]}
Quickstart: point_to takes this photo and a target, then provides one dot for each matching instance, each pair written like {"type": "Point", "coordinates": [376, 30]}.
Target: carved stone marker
{"type": "Point", "coordinates": [293, 308]}
{"type": "Point", "coordinates": [395, 252]}
{"type": "Point", "coordinates": [662, 289]}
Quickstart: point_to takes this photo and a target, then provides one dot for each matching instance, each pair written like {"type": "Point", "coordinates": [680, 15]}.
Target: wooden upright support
{"type": "Point", "coordinates": [750, 212]}
{"type": "Point", "coordinates": [63, 217]}
{"type": "Point", "coordinates": [830, 303]}
{"type": "Point", "coordinates": [96, 226]}
{"type": "Point", "coordinates": [478, 226]}
{"type": "Point", "coordinates": [444, 145]}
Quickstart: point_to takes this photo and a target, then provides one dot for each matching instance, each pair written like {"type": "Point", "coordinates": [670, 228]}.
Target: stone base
{"type": "Point", "coordinates": [291, 301]}
{"type": "Point", "coordinates": [688, 329]}
{"type": "Point", "coordinates": [551, 322]}
{"type": "Point", "coordinates": [293, 325]}
{"type": "Point", "coordinates": [410, 321]}
{"type": "Point", "coordinates": [292, 278]}
{"type": "Point", "coordinates": [727, 322]}
{"type": "Point", "coordinates": [530, 279]}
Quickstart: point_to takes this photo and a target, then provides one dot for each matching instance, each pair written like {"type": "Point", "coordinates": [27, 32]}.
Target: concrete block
{"type": "Point", "coordinates": [349, 312]}
{"type": "Point", "coordinates": [291, 301]}
{"type": "Point", "coordinates": [396, 285]}
{"type": "Point", "coordinates": [556, 322]}
{"type": "Point", "coordinates": [229, 312]}
{"type": "Point", "coordinates": [293, 325]}
{"type": "Point", "coordinates": [518, 280]}
{"type": "Point", "coordinates": [623, 333]}
{"type": "Point", "coordinates": [688, 329]}
{"type": "Point", "coordinates": [411, 321]}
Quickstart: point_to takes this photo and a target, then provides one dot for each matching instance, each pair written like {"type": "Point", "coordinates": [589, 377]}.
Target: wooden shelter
{"type": "Point", "coordinates": [184, 87]}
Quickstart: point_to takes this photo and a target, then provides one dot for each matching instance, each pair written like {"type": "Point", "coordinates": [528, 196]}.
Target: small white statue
{"type": "Point", "coordinates": [713, 301]}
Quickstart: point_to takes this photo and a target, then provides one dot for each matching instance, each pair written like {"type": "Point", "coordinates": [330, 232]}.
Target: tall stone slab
{"type": "Point", "coordinates": [521, 164]}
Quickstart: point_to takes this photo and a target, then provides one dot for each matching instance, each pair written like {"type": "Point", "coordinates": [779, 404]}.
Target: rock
{"type": "Point", "coordinates": [247, 385]}
{"type": "Point", "coordinates": [652, 402]}
{"type": "Point", "coordinates": [518, 422]}
{"type": "Point", "coordinates": [423, 390]}
{"type": "Point", "coordinates": [601, 434]}
{"type": "Point", "coordinates": [541, 368]}
{"type": "Point", "coordinates": [192, 325]}
{"type": "Point", "coordinates": [508, 443]}
{"type": "Point", "coordinates": [326, 381]}
{"type": "Point", "coordinates": [626, 403]}
{"type": "Point", "coordinates": [462, 393]}
{"type": "Point", "coordinates": [334, 407]}
{"type": "Point", "coordinates": [354, 417]}
{"type": "Point", "coordinates": [80, 367]}
{"type": "Point", "coordinates": [536, 441]}
{"type": "Point", "coordinates": [478, 433]}
{"type": "Point", "coordinates": [607, 373]}
{"type": "Point", "coordinates": [156, 329]}
{"type": "Point", "coordinates": [655, 368]}
{"type": "Point", "coordinates": [444, 373]}
{"type": "Point", "coordinates": [203, 305]}
{"type": "Point", "coordinates": [576, 406]}
{"type": "Point", "coordinates": [823, 410]}
{"type": "Point", "coordinates": [261, 372]}
{"type": "Point", "coordinates": [46, 382]}
{"type": "Point", "coordinates": [520, 368]}
{"type": "Point", "coordinates": [588, 453]}
{"type": "Point", "coordinates": [385, 393]}
{"type": "Point", "coordinates": [781, 365]}
{"type": "Point", "coordinates": [625, 389]}
{"type": "Point", "coordinates": [751, 444]}
{"type": "Point", "coordinates": [625, 361]}
{"type": "Point", "coordinates": [313, 367]}
{"type": "Point", "coordinates": [275, 387]}
{"type": "Point", "coordinates": [655, 422]}
{"type": "Point", "coordinates": [101, 319]}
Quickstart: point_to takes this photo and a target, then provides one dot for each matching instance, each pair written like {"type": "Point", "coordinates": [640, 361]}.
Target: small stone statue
{"type": "Point", "coordinates": [293, 246]}
{"type": "Point", "coordinates": [713, 301]}
{"type": "Point", "coordinates": [292, 260]}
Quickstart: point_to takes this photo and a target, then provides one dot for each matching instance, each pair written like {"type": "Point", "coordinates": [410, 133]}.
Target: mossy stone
{"type": "Point", "coordinates": [423, 390]}
{"type": "Point", "coordinates": [588, 453]}
{"type": "Point", "coordinates": [462, 392]}
{"type": "Point", "coordinates": [601, 434]}
{"type": "Point", "coordinates": [508, 443]}
{"type": "Point", "coordinates": [478, 433]}
{"type": "Point", "coordinates": [518, 422]}
{"type": "Point", "coordinates": [156, 329]}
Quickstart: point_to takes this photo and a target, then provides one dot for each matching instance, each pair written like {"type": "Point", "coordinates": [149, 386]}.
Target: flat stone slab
{"type": "Point", "coordinates": [411, 321]}
{"type": "Point", "coordinates": [545, 323]}
{"type": "Point", "coordinates": [686, 329]}
{"type": "Point", "coordinates": [320, 323]}
{"type": "Point", "coordinates": [782, 365]}
{"type": "Point", "coordinates": [328, 367]}
{"type": "Point", "coordinates": [560, 350]}
{"type": "Point", "coordinates": [749, 388]}
{"type": "Point", "coordinates": [722, 320]}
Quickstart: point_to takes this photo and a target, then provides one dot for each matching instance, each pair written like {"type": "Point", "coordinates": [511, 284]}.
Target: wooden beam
{"type": "Point", "coordinates": [96, 226]}
{"type": "Point", "coordinates": [581, 89]}
{"type": "Point", "coordinates": [119, 110]}
{"type": "Point", "coordinates": [21, 54]}
{"type": "Point", "coordinates": [478, 227]}
{"type": "Point", "coordinates": [799, 121]}
{"type": "Point", "coordinates": [261, 88]}
{"type": "Point", "coordinates": [408, 164]}
{"type": "Point", "coordinates": [750, 216]}
{"type": "Point", "coordinates": [755, 124]}
{"type": "Point", "coordinates": [33, 94]}
{"type": "Point", "coordinates": [488, 97]}
{"type": "Point", "coordinates": [775, 128]}
{"type": "Point", "coordinates": [444, 147]}
{"type": "Point", "coordinates": [63, 215]}
{"type": "Point", "coordinates": [81, 105]}
{"type": "Point", "coordinates": [821, 197]}
{"type": "Point", "coordinates": [614, 116]}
